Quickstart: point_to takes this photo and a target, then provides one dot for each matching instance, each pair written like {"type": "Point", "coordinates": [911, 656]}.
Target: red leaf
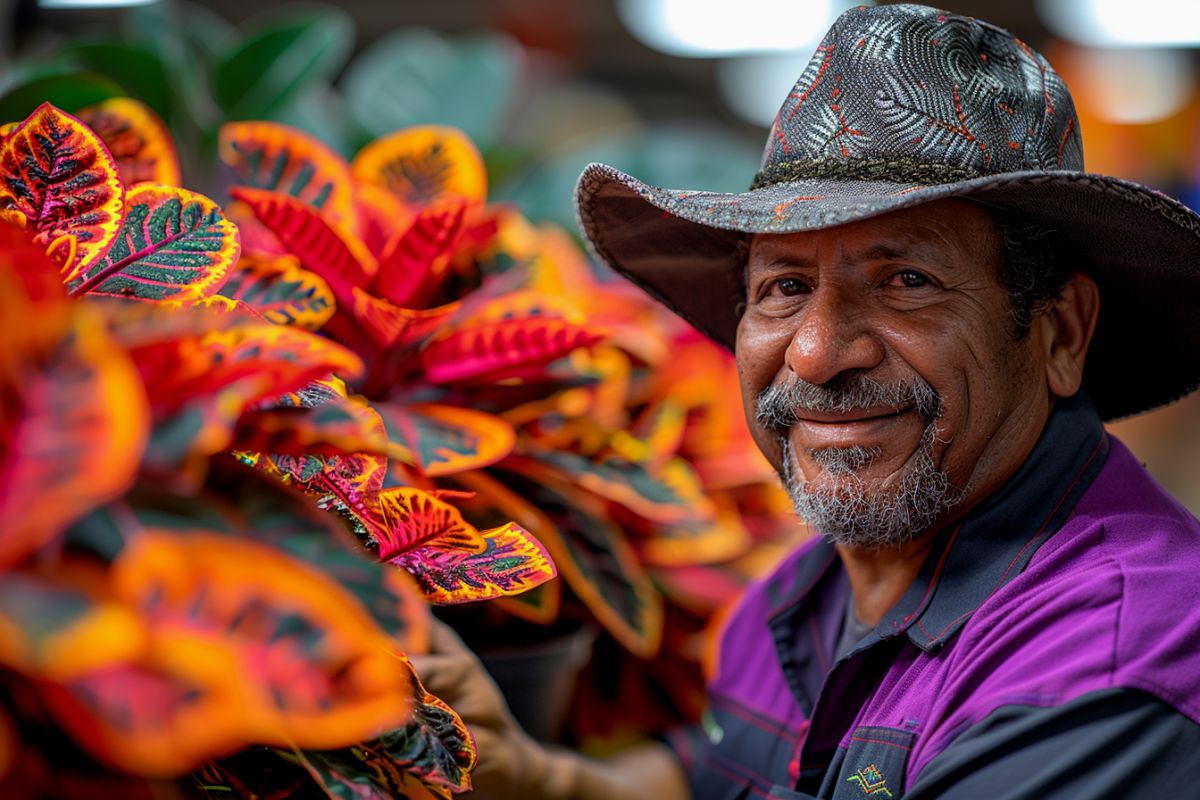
{"type": "Point", "coordinates": [415, 262]}
{"type": "Point", "coordinates": [494, 351]}
{"type": "Point", "coordinates": [335, 255]}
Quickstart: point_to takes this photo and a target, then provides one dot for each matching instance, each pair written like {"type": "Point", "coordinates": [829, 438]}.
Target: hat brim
{"type": "Point", "coordinates": [1141, 247]}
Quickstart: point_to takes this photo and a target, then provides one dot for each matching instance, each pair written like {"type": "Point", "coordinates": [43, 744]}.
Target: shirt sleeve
{"type": "Point", "coordinates": [1112, 743]}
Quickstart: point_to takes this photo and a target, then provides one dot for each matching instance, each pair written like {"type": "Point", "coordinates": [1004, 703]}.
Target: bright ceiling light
{"type": "Point", "coordinates": [709, 28]}
{"type": "Point", "coordinates": [1124, 23]}
{"type": "Point", "coordinates": [754, 87]}
{"type": "Point", "coordinates": [81, 4]}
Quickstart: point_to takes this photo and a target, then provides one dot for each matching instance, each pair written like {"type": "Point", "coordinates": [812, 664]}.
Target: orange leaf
{"type": "Point", "coordinates": [424, 165]}
{"type": "Point", "coordinates": [59, 180]}
{"type": "Point", "coordinates": [248, 646]}
{"type": "Point", "coordinates": [512, 561]}
{"type": "Point", "coordinates": [72, 430]}
{"type": "Point", "coordinates": [280, 158]}
{"type": "Point", "coordinates": [137, 138]}
{"type": "Point", "coordinates": [281, 290]}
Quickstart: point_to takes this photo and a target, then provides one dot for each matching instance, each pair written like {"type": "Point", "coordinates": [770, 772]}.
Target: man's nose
{"type": "Point", "coordinates": [834, 334]}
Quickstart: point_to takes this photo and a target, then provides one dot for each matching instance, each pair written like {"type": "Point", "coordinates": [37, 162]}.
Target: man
{"type": "Point", "coordinates": [1003, 603]}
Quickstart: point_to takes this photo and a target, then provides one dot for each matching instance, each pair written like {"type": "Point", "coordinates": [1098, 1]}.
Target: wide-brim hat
{"type": "Point", "coordinates": [901, 105]}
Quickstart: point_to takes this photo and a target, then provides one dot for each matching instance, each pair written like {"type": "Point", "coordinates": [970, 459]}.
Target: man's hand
{"type": "Point", "coordinates": [512, 764]}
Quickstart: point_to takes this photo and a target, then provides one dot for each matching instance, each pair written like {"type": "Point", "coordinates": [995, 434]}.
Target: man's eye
{"type": "Point", "coordinates": [790, 287]}
{"type": "Point", "coordinates": [909, 279]}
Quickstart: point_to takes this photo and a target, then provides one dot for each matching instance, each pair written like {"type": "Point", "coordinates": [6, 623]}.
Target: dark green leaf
{"type": "Point", "coordinates": [69, 90]}
{"type": "Point", "coordinates": [285, 53]}
{"type": "Point", "coordinates": [138, 70]}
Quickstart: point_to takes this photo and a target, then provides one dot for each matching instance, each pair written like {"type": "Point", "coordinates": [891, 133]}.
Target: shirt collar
{"type": "Point", "coordinates": [988, 548]}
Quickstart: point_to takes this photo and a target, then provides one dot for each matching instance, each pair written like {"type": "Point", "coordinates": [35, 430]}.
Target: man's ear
{"type": "Point", "coordinates": [1068, 324]}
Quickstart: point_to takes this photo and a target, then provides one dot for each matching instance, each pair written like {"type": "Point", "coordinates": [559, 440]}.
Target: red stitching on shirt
{"type": "Point", "coordinates": [879, 741]}
{"type": "Point", "coordinates": [748, 780]}
{"type": "Point", "coordinates": [756, 719]}
{"type": "Point", "coordinates": [937, 573]}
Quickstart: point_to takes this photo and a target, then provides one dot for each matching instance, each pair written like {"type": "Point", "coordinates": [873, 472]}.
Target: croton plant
{"type": "Point", "coordinates": [244, 447]}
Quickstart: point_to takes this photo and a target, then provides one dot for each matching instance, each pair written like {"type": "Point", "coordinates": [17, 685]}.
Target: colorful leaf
{"type": "Point", "coordinates": [279, 289]}
{"type": "Point", "coordinates": [391, 326]}
{"type": "Point", "coordinates": [58, 179]}
{"type": "Point", "coordinates": [53, 630]}
{"type": "Point", "coordinates": [590, 551]}
{"type": "Point", "coordinates": [333, 253]}
{"type": "Point", "coordinates": [268, 155]}
{"type": "Point", "coordinates": [405, 518]}
{"type": "Point", "coordinates": [414, 264]}
{"type": "Point", "coordinates": [503, 349]}
{"type": "Point", "coordinates": [173, 243]}
{"type": "Point", "coordinates": [341, 427]}
{"type": "Point", "coordinates": [185, 357]}
{"type": "Point", "coordinates": [137, 139]}
{"type": "Point", "coordinates": [248, 646]}
{"type": "Point", "coordinates": [445, 440]}
{"type": "Point", "coordinates": [73, 423]}
{"type": "Point", "coordinates": [423, 165]}
{"type": "Point", "coordinates": [667, 493]}
{"type": "Point", "coordinates": [695, 541]}
{"type": "Point", "coordinates": [380, 215]}
{"type": "Point", "coordinates": [512, 562]}
{"type": "Point", "coordinates": [253, 506]}
{"type": "Point", "coordinates": [430, 757]}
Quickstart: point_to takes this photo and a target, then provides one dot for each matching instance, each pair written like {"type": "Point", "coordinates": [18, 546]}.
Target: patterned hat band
{"type": "Point", "coordinates": [894, 170]}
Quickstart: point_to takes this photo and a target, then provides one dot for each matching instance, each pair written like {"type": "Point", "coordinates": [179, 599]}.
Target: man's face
{"type": "Point", "coordinates": [880, 373]}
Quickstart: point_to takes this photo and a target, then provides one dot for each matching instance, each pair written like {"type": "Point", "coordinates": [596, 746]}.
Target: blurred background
{"type": "Point", "coordinates": [679, 92]}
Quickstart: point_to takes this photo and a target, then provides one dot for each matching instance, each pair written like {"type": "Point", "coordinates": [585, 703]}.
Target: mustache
{"type": "Point", "coordinates": [777, 407]}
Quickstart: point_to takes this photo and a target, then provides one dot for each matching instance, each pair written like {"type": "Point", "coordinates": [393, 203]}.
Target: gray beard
{"type": "Point", "coordinates": [848, 512]}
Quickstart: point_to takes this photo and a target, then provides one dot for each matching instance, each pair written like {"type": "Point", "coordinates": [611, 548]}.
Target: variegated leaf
{"type": "Point", "coordinates": [137, 138]}
{"type": "Point", "coordinates": [445, 440]}
{"type": "Point", "coordinates": [58, 179]}
{"type": "Point", "coordinates": [512, 562]}
{"type": "Point", "coordinates": [248, 646]}
{"type": "Point", "coordinates": [668, 493]}
{"type": "Point", "coordinates": [280, 158]}
{"type": "Point", "coordinates": [590, 551]}
{"type": "Point", "coordinates": [340, 427]}
{"type": "Point", "coordinates": [424, 165]}
{"type": "Point", "coordinates": [173, 243]}
{"type": "Point", "coordinates": [209, 354]}
{"type": "Point", "coordinates": [281, 290]}
{"type": "Point", "coordinates": [52, 628]}
{"type": "Point", "coordinates": [430, 757]}
{"type": "Point", "coordinates": [332, 252]}
{"type": "Point", "coordinates": [406, 518]}
{"type": "Point", "coordinates": [72, 430]}
{"type": "Point", "coordinates": [494, 351]}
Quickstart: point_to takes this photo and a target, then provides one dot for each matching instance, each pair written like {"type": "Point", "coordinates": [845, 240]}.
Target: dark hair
{"type": "Point", "coordinates": [1032, 268]}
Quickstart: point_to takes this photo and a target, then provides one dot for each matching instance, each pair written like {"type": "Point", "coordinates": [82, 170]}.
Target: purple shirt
{"type": "Point", "coordinates": [1076, 579]}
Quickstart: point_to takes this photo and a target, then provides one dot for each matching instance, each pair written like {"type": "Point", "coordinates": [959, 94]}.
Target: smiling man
{"type": "Point", "coordinates": [933, 308]}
